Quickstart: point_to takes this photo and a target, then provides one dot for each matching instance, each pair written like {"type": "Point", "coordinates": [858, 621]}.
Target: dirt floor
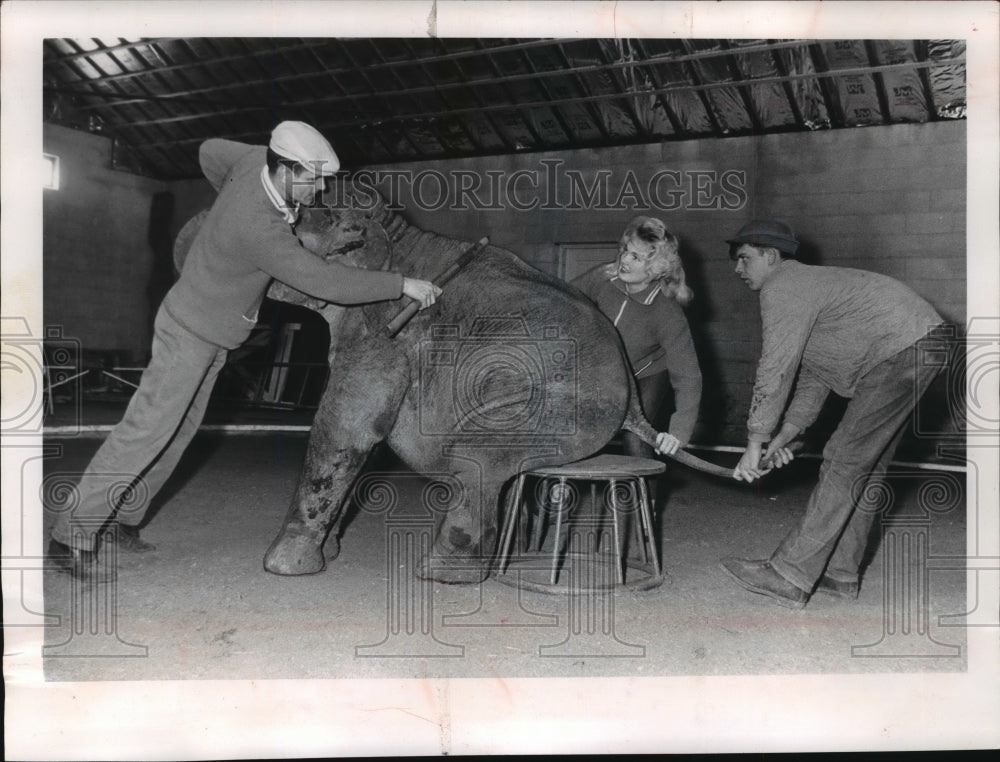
{"type": "Point", "coordinates": [201, 605]}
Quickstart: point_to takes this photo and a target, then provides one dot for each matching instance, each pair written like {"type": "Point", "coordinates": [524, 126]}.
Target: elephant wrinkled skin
{"type": "Point", "coordinates": [511, 369]}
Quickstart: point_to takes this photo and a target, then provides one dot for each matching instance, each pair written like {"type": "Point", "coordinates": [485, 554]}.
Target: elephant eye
{"type": "Point", "coordinates": [346, 248]}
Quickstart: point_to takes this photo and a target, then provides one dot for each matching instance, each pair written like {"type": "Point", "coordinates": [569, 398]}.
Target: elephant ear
{"type": "Point", "coordinates": [182, 244]}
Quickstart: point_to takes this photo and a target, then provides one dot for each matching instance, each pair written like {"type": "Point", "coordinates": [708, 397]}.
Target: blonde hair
{"type": "Point", "coordinates": [663, 258]}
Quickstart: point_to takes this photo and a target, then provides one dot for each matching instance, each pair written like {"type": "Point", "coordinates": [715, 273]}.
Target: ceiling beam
{"type": "Point", "coordinates": [592, 112]}
{"type": "Point", "coordinates": [653, 74]}
{"type": "Point", "coordinates": [793, 102]}
{"type": "Point", "coordinates": [437, 131]}
{"type": "Point", "coordinates": [474, 92]}
{"type": "Point", "coordinates": [699, 89]}
{"type": "Point", "coordinates": [692, 56]}
{"type": "Point", "coordinates": [880, 91]}
{"type": "Point", "coordinates": [921, 53]}
{"type": "Point", "coordinates": [612, 96]}
{"type": "Point", "coordinates": [420, 153]}
{"type": "Point", "coordinates": [504, 83]}
{"type": "Point", "coordinates": [741, 86]}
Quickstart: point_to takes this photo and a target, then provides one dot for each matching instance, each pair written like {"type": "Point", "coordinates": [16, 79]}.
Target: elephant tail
{"type": "Point", "coordinates": [635, 419]}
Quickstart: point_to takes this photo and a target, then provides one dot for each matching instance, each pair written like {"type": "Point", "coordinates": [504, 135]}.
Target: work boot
{"type": "Point", "coordinates": [127, 537]}
{"type": "Point", "coordinates": [760, 577]}
{"type": "Point", "coordinates": [836, 588]}
{"type": "Point", "coordinates": [82, 564]}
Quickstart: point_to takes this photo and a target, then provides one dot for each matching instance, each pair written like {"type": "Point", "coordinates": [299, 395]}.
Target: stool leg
{"type": "Point", "coordinates": [510, 522]}
{"type": "Point", "coordinates": [541, 516]}
{"type": "Point", "coordinates": [557, 540]}
{"type": "Point", "coordinates": [525, 518]}
{"type": "Point", "coordinates": [598, 516]}
{"type": "Point", "coordinates": [646, 515]}
{"type": "Point", "coordinates": [639, 525]}
{"type": "Point", "coordinates": [619, 561]}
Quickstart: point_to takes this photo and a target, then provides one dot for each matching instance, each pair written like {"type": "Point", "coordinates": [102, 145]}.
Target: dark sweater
{"type": "Point", "coordinates": [656, 336]}
{"type": "Point", "coordinates": [243, 244]}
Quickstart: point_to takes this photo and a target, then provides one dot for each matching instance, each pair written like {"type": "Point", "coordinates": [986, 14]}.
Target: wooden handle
{"type": "Point", "coordinates": [404, 316]}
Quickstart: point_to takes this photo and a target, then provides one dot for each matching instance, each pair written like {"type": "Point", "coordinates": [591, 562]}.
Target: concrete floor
{"type": "Point", "coordinates": [201, 606]}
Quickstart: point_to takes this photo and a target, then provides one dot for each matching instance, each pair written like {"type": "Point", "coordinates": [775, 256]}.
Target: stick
{"type": "Point", "coordinates": [395, 325]}
{"type": "Point", "coordinates": [693, 461]}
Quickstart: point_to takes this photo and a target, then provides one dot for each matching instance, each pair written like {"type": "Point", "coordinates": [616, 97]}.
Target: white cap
{"type": "Point", "coordinates": [302, 143]}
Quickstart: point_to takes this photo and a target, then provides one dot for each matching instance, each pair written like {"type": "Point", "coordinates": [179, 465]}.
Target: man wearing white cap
{"type": "Point", "coordinates": [246, 240]}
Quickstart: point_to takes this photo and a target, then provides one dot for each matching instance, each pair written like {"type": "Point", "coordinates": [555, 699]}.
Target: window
{"type": "Point", "coordinates": [50, 171]}
{"type": "Point", "coordinates": [576, 258]}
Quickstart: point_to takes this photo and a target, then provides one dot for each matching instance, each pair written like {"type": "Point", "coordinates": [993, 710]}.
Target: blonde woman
{"type": "Point", "coordinates": [643, 291]}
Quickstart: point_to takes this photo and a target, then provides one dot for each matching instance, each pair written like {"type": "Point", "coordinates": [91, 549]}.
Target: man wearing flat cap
{"type": "Point", "coordinates": [246, 240]}
{"type": "Point", "coordinates": [848, 331]}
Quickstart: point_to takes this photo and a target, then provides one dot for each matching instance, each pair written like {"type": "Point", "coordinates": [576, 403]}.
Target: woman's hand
{"type": "Point", "coordinates": [667, 444]}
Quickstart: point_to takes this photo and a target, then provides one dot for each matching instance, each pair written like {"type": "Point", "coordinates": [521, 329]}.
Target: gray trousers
{"type": "Point", "coordinates": [144, 448]}
{"type": "Point", "coordinates": [832, 535]}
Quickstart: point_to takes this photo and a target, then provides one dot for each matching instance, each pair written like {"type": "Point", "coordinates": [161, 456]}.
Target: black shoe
{"type": "Point", "coordinates": [838, 589]}
{"type": "Point", "coordinates": [760, 577]}
{"type": "Point", "coordinates": [81, 564]}
{"type": "Point", "coordinates": [128, 538]}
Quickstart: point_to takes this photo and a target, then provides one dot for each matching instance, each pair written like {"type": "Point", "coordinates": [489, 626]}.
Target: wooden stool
{"type": "Point", "coordinates": [559, 495]}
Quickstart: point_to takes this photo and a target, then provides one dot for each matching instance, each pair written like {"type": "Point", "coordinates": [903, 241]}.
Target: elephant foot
{"type": "Point", "coordinates": [294, 554]}
{"type": "Point", "coordinates": [452, 571]}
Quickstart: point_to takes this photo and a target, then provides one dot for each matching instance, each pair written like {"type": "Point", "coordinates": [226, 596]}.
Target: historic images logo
{"type": "Point", "coordinates": [549, 187]}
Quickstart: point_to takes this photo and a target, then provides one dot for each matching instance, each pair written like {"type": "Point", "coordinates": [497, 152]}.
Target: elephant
{"type": "Point", "coordinates": [512, 369]}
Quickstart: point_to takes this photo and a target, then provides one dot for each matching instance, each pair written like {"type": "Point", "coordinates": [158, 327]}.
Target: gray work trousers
{"type": "Point", "coordinates": [832, 535]}
{"type": "Point", "coordinates": [144, 448]}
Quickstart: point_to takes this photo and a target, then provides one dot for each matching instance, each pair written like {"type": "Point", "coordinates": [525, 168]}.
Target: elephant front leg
{"type": "Point", "coordinates": [357, 411]}
{"type": "Point", "coordinates": [316, 506]}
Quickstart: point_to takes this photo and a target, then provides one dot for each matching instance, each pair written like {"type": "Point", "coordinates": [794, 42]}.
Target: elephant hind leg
{"type": "Point", "coordinates": [466, 533]}
{"type": "Point", "coordinates": [358, 409]}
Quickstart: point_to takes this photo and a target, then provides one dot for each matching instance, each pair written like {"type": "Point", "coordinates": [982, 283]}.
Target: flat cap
{"type": "Point", "coordinates": [763, 231]}
{"type": "Point", "coordinates": [303, 143]}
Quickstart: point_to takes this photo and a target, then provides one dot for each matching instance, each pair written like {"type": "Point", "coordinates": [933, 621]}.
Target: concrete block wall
{"type": "Point", "coordinates": [97, 260]}
{"type": "Point", "coordinates": [887, 199]}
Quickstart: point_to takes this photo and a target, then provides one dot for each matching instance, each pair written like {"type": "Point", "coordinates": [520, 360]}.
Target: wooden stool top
{"type": "Point", "coordinates": [604, 467]}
